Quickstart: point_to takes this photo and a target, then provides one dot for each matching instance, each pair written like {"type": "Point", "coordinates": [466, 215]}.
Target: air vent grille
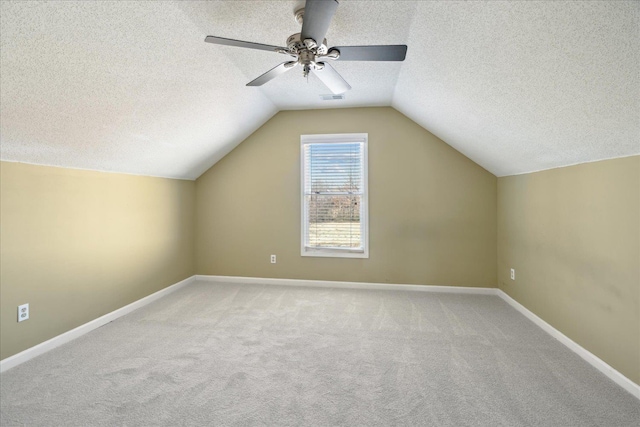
{"type": "Point", "coordinates": [331, 97]}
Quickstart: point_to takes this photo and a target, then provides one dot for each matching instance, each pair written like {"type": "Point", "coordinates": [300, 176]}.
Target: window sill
{"type": "Point", "coordinates": [334, 253]}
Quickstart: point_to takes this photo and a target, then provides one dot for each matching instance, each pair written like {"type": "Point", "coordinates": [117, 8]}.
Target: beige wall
{"type": "Point", "coordinates": [573, 236]}
{"type": "Point", "coordinates": [78, 244]}
{"type": "Point", "coordinates": [432, 210]}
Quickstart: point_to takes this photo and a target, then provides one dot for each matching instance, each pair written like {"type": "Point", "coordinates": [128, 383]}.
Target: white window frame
{"type": "Point", "coordinates": [364, 215]}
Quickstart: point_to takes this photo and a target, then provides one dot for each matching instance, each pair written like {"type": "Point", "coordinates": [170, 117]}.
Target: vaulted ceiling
{"type": "Point", "coordinates": [132, 87]}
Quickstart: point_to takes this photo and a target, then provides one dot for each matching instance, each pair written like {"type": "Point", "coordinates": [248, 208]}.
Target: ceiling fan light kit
{"type": "Point", "coordinates": [312, 56]}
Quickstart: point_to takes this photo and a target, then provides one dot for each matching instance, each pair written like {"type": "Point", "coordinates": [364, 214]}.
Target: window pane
{"type": "Point", "coordinates": [334, 221]}
{"type": "Point", "coordinates": [333, 168]}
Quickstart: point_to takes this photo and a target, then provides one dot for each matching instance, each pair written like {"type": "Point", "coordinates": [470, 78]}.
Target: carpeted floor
{"type": "Point", "coordinates": [213, 354]}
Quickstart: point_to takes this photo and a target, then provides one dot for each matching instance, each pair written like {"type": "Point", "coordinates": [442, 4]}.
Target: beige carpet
{"type": "Point", "coordinates": [213, 354]}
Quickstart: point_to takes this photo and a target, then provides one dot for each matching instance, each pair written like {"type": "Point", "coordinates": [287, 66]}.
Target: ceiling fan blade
{"type": "Point", "coordinates": [396, 52]}
{"type": "Point", "coordinates": [331, 79]}
{"type": "Point", "coordinates": [317, 18]}
{"type": "Point", "coordinates": [240, 43]}
{"type": "Point", "coordinates": [272, 73]}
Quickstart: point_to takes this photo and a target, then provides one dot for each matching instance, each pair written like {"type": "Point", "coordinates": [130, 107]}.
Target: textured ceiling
{"type": "Point", "coordinates": [525, 86]}
{"type": "Point", "coordinates": [132, 87]}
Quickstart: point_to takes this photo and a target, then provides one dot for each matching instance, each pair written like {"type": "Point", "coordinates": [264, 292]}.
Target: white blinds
{"type": "Point", "coordinates": [333, 192]}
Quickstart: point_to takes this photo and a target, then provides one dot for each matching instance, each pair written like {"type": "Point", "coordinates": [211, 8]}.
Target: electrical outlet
{"type": "Point", "coordinates": [273, 259]}
{"type": "Point", "coordinates": [23, 312]}
{"type": "Point", "coordinates": [513, 274]}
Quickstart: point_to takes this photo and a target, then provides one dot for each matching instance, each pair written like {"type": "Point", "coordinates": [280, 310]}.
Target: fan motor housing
{"type": "Point", "coordinates": [296, 44]}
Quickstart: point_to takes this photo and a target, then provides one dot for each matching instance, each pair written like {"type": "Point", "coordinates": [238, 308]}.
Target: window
{"type": "Point", "coordinates": [334, 195]}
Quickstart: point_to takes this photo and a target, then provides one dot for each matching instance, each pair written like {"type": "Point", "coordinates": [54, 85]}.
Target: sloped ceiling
{"type": "Point", "coordinates": [132, 87]}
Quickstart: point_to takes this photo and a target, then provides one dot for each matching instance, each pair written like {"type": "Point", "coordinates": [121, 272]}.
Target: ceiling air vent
{"type": "Point", "coordinates": [332, 97]}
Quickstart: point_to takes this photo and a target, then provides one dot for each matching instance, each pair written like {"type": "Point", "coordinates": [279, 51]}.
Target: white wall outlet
{"type": "Point", "coordinates": [513, 274]}
{"type": "Point", "coordinates": [273, 259]}
{"type": "Point", "coordinates": [23, 312]}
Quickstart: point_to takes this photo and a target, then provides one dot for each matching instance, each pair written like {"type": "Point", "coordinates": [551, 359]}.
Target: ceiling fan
{"type": "Point", "coordinates": [309, 48]}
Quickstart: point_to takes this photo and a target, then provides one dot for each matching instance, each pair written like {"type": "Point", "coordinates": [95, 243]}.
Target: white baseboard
{"type": "Point", "coordinates": [591, 358]}
{"type": "Point", "coordinates": [57, 341]}
{"type": "Point", "coordinates": [585, 354]}
{"type": "Point", "coordinates": [347, 285]}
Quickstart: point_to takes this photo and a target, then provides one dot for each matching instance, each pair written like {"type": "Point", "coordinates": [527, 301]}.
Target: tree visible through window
{"type": "Point", "coordinates": [334, 195]}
